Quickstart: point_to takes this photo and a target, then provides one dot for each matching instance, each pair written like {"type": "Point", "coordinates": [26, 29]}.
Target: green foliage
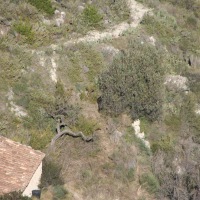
{"type": "Point", "coordinates": [173, 122]}
{"type": "Point", "coordinates": [174, 29]}
{"type": "Point", "coordinates": [130, 174]}
{"type": "Point", "coordinates": [40, 138]}
{"type": "Point", "coordinates": [190, 118]}
{"type": "Point", "coordinates": [163, 25]}
{"type": "Point", "coordinates": [91, 16]}
{"type": "Point", "coordinates": [11, 67]}
{"type": "Point", "coordinates": [59, 192]}
{"type": "Point", "coordinates": [43, 5]}
{"type": "Point", "coordinates": [14, 196]}
{"type": "Point", "coordinates": [50, 174]}
{"type": "Point", "coordinates": [191, 5]}
{"type": "Point", "coordinates": [37, 102]}
{"type": "Point", "coordinates": [165, 144]}
{"type": "Point", "coordinates": [150, 182]}
{"type": "Point", "coordinates": [124, 174]}
{"type": "Point", "coordinates": [24, 28]}
{"type": "Point", "coordinates": [133, 83]}
{"type": "Point", "coordinates": [91, 93]}
{"type": "Point", "coordinates": [120, 8]}
{"type": "Point", "coordinates": [87, 126]}
{"type": "Point", "coordinates": [84, 63]}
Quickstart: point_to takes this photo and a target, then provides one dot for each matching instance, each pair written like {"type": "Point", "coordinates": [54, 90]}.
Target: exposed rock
{"type": "Point", "coordinates": [81, 8]}
{"type": "Point", "coordinates": [108, 51]}
{"type": "Point", "coordinates": [137, 12]}
{"type": "Point", "coordinates": [176, 83]}
{"type": "Point", "coordinates": [195, 61]}
{"type": "Point", "coordinates": [46, 21]}
{"type": "Point", "coordinates": [192, 60]}
{"type": "Point", "coordinates": [4, 21]}
{"type": "Point", "coordinates": [152, 40]}
{"type": "Point", "coordinates": [3, 30]}
{"type": "Point", "coordinates": [136, 126]}
{"type": "Point", "coordinates": [19, 111]}
{"type": "Point", "coordinates": [60, 18]}
{"type": "Point", "coordinates": [116, 136]}
{"type": "Point", "coordinates": [197, 110]}
{"type": "Point", "coordinates": [85, 69]}
{"type": "Point", "coordinates": [177, 165]}
{"type": "Point", "coordinates": [53, 70]}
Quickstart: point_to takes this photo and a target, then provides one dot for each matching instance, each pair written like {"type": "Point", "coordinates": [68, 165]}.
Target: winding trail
{"type": "Point", "coordinates": [137, 12]}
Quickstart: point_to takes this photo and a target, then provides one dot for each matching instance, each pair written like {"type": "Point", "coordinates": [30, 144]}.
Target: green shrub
{"type": "Point", "coordinates": [50, 174]}
{"type": "Point", "coordinates": [191, 5]}
{"type": "Point", "coordinates": [11, 68]}
{"type": "Point", "coordinates": [165, 144]}
{"type": "Point", "coordinates": [40, 138]}
{"type": "Point", "coordinates": [130, 174]}
{"type": "Point", "coordinates": [43, 5]}
{"type": "Point", "coordinates": [14, 196]}
{"type": "Point", "coordinates": [133, 83]}
{"type": "Point", "coordinates": [87, 126]}
{"type": "Point", "coordinates": [91, 16]}
{"type": "Point", "coordinates": [150, 182]}
{"type": "Point", "coordinates": [59, 192]}
{"type": "Point", "coordinates": [120, 9]}
{"type": "Point", "coordinates": [190, 118]}
{"type": "Point", "coordinates": [24, 28]}
{"type": "Point", "coordinates": [163, 25]}
{"type": "Point", "coordinates": [173, 122]}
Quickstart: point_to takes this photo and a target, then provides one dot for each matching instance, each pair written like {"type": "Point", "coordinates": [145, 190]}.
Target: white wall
{"type": "Point", "coordinates": [35, 181]}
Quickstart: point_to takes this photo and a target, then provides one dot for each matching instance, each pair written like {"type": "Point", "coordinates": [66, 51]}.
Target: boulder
{"type": "Point", "coordinates": [176, 83]}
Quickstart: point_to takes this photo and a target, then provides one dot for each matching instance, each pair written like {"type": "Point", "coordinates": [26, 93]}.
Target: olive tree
{"type": "Point", "coordinates": [134, 82]}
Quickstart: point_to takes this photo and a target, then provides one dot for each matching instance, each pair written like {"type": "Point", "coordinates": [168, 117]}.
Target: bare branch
{"type": "Point", "coordinates": [67, 131]}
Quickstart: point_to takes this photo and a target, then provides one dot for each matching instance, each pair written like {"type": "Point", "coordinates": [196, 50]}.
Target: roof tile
{"type": "Point", "coordinates": [17, 165]}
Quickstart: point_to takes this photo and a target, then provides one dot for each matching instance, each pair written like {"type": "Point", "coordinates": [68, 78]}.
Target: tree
{"type": "Point", "coordinates": [134, 83]}
{"type": "Point", "coordinates": [65, 115]}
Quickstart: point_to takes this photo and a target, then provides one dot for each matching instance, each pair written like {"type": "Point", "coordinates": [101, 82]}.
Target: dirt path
{"type": "Point", "coordinates": [137, 12]}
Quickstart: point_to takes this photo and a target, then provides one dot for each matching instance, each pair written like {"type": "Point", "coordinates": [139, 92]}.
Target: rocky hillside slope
{"type": "Point", "coordinates": [109, 90]}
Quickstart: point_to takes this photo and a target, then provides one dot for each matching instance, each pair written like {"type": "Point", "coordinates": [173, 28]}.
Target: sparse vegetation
{"type": "Point", "coordinates": [150, 182]}
{"type": "Point", "coordinates": [129, 79]}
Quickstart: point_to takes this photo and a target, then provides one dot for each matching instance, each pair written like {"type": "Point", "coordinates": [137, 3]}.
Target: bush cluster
{"type": "Point", "coordinates": [191, 5]}
{"type": "Point", "coordinates": [43, 5]}
{"type": "Point", "coordinates": [91, 16]}
{"type": "Point", "coordinates": [13, 196]}
{"type": "Point", "coordinates": [25, 28]}
{"type": "Point", "coordinates": [133, 83]}
{"type": "Point", "coordinates": [59, 192]}
{"type": "Point", "coordinates": [50, 174]}
{"type": "Point", "coordinates": [150, 182]}
{"type": "Point", "coordinates": [87, 126]}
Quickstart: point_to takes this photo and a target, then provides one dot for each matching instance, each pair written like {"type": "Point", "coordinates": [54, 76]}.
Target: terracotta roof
{"type": "Point", "coordinates": [17, 165]}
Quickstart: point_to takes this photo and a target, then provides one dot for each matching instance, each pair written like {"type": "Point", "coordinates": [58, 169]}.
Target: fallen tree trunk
{"type": "Point", "coordinates": [68, 131]}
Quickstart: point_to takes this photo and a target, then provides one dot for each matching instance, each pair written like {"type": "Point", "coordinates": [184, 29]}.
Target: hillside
{"type": "Point", "coordinates": [109, 90]}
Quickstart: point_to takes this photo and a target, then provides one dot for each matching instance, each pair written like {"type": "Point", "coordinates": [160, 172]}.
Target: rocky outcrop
{"type": "Point", "coordinates": [176, 83]}
{"type": "Point", "coordinates": [139, 134]}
